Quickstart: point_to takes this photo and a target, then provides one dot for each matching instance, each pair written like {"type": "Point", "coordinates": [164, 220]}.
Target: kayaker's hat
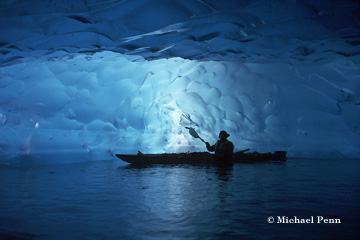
{"type": "Point", "coordinates": [223, 134]}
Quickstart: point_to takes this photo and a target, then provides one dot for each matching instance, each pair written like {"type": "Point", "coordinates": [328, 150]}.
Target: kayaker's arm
{"type": "Point", "coordinates": [209, 147]}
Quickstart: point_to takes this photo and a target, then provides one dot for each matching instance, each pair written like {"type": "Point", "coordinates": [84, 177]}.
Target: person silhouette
{"type": "Point", "coordinates": [223, 148]}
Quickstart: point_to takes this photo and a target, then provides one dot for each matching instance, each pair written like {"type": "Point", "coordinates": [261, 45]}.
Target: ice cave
{"type": "Point", "coordinates": [83, 80]}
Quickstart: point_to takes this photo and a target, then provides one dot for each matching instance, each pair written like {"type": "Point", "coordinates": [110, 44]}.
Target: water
{"type": "Point", "coordinates": [109, 200]}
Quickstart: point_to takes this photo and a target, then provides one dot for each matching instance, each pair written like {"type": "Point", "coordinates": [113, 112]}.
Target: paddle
{"type": "Point", "coordinates": [242, 151]}
{"type": "Point", "coordinates": [194, 133]}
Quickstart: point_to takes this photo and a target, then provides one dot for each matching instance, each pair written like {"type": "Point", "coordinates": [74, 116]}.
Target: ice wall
{"type": "Point", "coordinates": [106, 103]}
{"type": "Point", "coordinates": [87, 79]}
{"type": "Point", "coordinates": [249, 30]}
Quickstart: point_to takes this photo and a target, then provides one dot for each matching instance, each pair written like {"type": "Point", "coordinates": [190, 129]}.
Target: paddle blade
{"type": "Point", "coordinates": [193, 132]}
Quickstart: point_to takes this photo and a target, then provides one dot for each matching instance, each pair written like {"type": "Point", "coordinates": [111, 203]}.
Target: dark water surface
{"type": "Point", "coordinates": [109, 200]}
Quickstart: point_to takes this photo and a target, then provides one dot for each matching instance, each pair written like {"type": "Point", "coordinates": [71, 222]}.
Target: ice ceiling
{"type": "Point", "coordinates": [86, 79]}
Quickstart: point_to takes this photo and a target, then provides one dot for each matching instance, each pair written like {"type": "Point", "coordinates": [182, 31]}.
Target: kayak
{"type": "Point", "coordinates": [200, 157]}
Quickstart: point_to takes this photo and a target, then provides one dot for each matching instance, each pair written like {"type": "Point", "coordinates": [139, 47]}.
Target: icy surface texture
{"type": "Point", "coordinates": [86, 80]}
{"type": "Point", "coordinates": [249, 30]}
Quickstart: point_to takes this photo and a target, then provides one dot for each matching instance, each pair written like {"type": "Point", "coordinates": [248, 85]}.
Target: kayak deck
{"type": "Point", "coordinates": [199, 157]}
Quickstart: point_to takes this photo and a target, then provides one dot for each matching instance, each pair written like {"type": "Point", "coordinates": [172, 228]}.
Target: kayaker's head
{"type": "Point", "coordinates": [223, 135]}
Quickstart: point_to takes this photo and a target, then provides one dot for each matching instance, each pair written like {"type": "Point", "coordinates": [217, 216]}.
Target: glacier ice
{"type": "Point", "coordinates": [89, 80]}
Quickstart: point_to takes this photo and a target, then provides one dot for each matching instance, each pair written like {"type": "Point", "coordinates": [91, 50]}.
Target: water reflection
{"type": "Point", "coordinates": [109, 201]}
{"type": "Point", "coordinates": [224, 171]}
